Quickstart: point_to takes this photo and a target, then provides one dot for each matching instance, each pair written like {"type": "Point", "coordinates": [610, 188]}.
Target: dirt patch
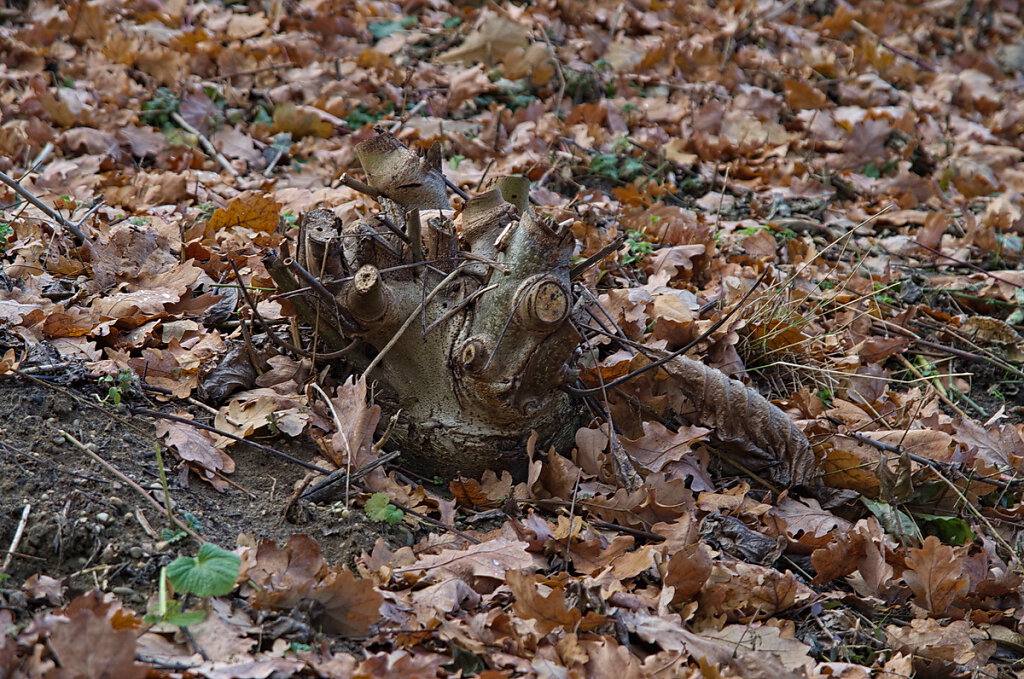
{"type": "Point", "coordinates": [91, 528]}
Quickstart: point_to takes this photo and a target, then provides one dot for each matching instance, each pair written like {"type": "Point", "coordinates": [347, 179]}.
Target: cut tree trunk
{"type": "Point", "coordinates": [465, 324]}
{"type": "Point", "coordinates": [464, 321]}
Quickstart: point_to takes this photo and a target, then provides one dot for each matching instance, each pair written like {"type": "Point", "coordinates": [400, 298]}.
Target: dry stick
{"type": "Point", "coordinates": [970, 265]}
{"type": "Point", "coordinates": [18, 532]}
{"type": "Point", "coordinates": [135, 486]}
{"type": "Point", "coordinates": [206, 143]}
{"type": "Point", "coordinates": [312, 492]}
{"type": "Point", "coordinates": [353, 183]}
{"type": "Point", "coordinates": [920, 63]}
{"type": "Point", "coordinates": [221, 432]}
{"type": "Point", "coordinates": [966, 355]}
{"type": "Point", "coordinates": [286, 283]}
{"type": "Point", "coordinates": [900, 450]}
{"type": "Point", "coordinates": [412, 318]}
{"type": "Point", "coordinates": [46, 209]}
{"type": "Point", "coordinates": [459, 307]}
{"type": "Point", "coordinates": [319, 288]}
{"type": "Point", "coordinates": [593, 259]}
{"type": "Point", "coordinates": [411, 112]}
{"type": "Point", "coordinates": [984, 354]}
{"type": "Point", "coordinates": [383, 219]}
{"type": "Point", "coordinates": [344, 438]}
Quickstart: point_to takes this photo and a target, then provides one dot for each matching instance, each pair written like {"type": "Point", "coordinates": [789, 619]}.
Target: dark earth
{"type": "Point", "coordinates": [92, 529]}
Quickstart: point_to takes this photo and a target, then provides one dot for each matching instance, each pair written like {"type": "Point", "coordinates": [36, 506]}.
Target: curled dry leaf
{"type": "Point", "coordinates": [548, 612]}
{"type": "Point", "coordinates": [288, 575]}
{"type": "Point", "coordinates": [746, 421]}
{"type": "Point", "coordinates": [195, 447]}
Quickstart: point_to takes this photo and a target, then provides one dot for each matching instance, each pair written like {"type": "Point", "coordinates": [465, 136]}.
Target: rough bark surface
{"type": "Point", "coordinates": [465, 323]}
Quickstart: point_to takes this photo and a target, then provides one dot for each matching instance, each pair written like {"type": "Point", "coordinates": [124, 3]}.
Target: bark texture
{"type": "Point", "coordinates": [464, 322]}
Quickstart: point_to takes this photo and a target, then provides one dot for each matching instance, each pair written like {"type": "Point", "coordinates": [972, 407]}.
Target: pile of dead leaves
{"type": "Point", "coordinates": [867, 156]}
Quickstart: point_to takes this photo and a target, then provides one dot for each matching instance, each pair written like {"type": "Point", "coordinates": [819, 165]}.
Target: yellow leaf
{"type": "Point", "coordinates": [259, 213]}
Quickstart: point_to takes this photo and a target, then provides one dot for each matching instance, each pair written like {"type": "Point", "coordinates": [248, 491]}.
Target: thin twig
{"type": "Point", "coordinates": [412, 318]}
{"type": "Point", "coordinates": [411, 112]}
{"type": "Point", "coordinates": [362, 187]}
{"type": "Point", "coordinates": [135, 486]}
{"type": "Point", "coordinates": [46, 209]}
{"type": "Point", "coordinates": [206, 143]}
{"type": "Point", "coordinates": [344, 439]}
{"type": "Point", "coordinates": [221, 432]}
{"type": "Point", "coordinates": [317, 489]}
{"type": "Point", "coordinates": [18, 532]}
{"type": "Point", "coordinates": [918, 61]}
{"type": "Point", "coordinates": [593, 259]}
{"type": "Point", "coordinates": [671, 355]}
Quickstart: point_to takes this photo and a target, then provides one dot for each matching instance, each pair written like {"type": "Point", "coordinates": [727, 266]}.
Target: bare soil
{"type": "Point", "coordinates": [92, 529]}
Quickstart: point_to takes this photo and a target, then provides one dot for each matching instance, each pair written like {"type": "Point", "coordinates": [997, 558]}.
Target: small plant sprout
{"type": "Point", "coordinates": [379, 508]}
{"type": "Point", "coordinates": [212, 572]}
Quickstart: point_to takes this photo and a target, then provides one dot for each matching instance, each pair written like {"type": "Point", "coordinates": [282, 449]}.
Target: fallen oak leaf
{"type": "Point", "coordinates": [257, 212]}
{"type": "Point", "coordinates": [194, 446]}
{"type": "Point", "coordinates": [492, 559]}
{"type": "Point", "coordinates": [548, 612]}
{"type": "Point", "coordinates": [935, 573]}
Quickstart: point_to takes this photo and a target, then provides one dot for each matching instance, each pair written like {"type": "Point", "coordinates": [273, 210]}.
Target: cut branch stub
{"type": "Point", "coordinates": [400, 174]}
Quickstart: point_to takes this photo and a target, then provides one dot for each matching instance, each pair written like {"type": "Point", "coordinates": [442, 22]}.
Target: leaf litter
{"type": "Point", "coordinates": [865, 160]}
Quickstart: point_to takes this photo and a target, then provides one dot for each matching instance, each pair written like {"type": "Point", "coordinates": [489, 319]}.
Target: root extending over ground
{"type": "Point", "coordinates": [466, 321]}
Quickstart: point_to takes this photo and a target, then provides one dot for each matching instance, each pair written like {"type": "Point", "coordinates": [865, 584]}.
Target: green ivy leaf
{"type": "Point", "coordinates": [382, 29]}
{"type": "Point", "coordinates": [379, 508]}
{"type": "Point", "coordinates": [211, 573]}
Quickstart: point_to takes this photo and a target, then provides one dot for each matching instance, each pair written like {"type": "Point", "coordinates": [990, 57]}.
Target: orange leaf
{"type": "Point", "coordinates": [256, 212]}
{"type": "Point", "coordinates": [469, 493]}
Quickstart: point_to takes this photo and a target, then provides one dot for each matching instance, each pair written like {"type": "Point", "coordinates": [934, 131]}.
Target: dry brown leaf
{"type": "Point", "coordinates": [491, 559]}
{"type": "Point", "coordinates": [548, 612]}
{"type": "Point", "coordinates": [935, 573]}
{"type": "Point", "coordinates": [87, 644]}
{"type": "Point", "coordinates": [193, 445]}
{"type": "Point", "coordinates": [490, 43]}
{"type": "Point", "coordinates": [744, 591]}
{"type": "Point", "coordinates": [353, 443]}
{"type": "Point", "coordinates": [469, 493]}
{"type": "Point", "coordinates": [687, 571]}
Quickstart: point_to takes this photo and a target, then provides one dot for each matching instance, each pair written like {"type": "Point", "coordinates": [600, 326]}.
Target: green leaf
{"type": "Point", "coordinates": [893, 520]}
{"type": "Point", "coordinates": [952, 530]}
{"type": "Point", "coordinates": [379, 508]}
{"type": "Point", "coordinates": [211, 573]}
{"type": "Point", "coordinates": [606, 164]}
{"type": "Point", "coordinates": [631, 167]}
{"type": "Point", "coordinates": [871, 170]}
{"type": "Point", "coordinates": [382, 29]}
{"type": "Point", "coordinates": [186, 618]}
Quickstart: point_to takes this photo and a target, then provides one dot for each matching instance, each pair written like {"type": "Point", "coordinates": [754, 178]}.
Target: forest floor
{"type": "Point", "coordinates": [861, 167]}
